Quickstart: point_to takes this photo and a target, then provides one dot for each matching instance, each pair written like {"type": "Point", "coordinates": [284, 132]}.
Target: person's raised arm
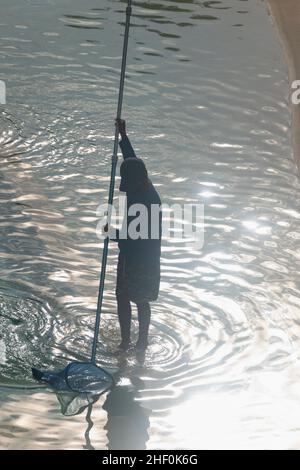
{"type": "Point", "coordinates": [125, 145]}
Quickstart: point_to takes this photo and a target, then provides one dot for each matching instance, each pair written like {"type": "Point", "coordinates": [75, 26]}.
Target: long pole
{"type": "Point", "coordinates": [112, 184]}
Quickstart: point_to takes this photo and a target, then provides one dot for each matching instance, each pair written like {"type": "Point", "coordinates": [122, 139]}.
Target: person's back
{"type": "Point", "coordinates": [139, 242]}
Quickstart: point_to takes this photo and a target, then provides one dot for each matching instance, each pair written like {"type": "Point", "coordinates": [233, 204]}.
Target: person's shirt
{"type": "Point", "coordinates": [150, 198]}
{"type": "Point", "coordinates": [126, 147]}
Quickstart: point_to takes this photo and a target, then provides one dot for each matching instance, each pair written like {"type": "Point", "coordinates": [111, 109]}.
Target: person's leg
{"type": "Point", "coordinates": [124, 314]}
{"type": "Point", "coordinates": [144, 314]}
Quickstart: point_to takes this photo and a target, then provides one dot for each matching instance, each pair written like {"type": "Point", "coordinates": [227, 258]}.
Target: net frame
{"type": "Point", "coordinates": [110, 378]}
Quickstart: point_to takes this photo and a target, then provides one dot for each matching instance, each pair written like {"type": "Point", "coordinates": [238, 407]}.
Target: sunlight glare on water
{"type": "Point", "coordinates": [206, 107]}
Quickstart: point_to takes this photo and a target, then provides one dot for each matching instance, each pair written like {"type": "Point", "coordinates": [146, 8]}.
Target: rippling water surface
{"type": "Point", "coordinates": [206, 105]}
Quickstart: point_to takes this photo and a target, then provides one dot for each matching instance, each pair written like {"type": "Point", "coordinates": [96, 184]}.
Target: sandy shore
{"type": "Point", "coordinates": [286, 16]}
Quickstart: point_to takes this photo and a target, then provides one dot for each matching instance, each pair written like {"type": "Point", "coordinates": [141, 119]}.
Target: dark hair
{"type": "Point", "coordinates": [134, 176]}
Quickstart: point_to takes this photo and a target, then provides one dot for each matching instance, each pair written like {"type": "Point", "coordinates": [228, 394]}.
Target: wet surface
{"type": "Point", "coordinates": [207, 108]}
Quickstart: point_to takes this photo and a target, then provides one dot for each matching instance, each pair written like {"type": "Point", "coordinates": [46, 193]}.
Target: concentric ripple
{"type": "Point", "coordinates": [27, 333]}
{"type": "Point", "coordinates": [206, 107]}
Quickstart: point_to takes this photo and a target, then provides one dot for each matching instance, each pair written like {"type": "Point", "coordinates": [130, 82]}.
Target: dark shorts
{"type": "Point", "coordinates": [137, 281]}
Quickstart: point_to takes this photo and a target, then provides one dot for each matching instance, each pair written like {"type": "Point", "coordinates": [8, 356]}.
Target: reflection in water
{"type": "Point", "coordinates": [206, 108]}
{"type": "Point", "coordinates": [74, 404]}
{"type": "Point", "coordinates": [90, 424]}
{"type": "Point", "coordinates": [127, 420]}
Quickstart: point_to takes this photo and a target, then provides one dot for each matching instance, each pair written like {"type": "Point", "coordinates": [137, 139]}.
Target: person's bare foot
{"type": "Point", "coordinates": [141, 346]}
{"type": "Point", "coordinates": [123, 346]}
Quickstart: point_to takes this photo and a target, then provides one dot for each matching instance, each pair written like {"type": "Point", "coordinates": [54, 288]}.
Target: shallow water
{"type": "Point", "coordinates": [206, 105]}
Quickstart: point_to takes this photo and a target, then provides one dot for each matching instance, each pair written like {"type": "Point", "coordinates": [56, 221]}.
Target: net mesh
{"type": "Point", "coordinates": [78, 377]}
{"type": "Point", "coordinates": [74, 403]}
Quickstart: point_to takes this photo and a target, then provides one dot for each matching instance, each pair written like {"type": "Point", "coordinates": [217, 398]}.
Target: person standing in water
{"type": "Point", "coordinates": [138, 271]}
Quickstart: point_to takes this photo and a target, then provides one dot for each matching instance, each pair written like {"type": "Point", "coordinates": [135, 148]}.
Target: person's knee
{"type": "Point", "coordinates": [122, 298]}
{"type": "Point", "coordinates": [143, 308]}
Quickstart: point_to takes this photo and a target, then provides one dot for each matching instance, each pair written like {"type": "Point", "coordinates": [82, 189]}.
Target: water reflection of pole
{"type": "Point", "coordinates": [75, 404]}
{"type": "Point", "coordinates": [127, 421]}
{"type": "Point", "coordinates": [88, 418]}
